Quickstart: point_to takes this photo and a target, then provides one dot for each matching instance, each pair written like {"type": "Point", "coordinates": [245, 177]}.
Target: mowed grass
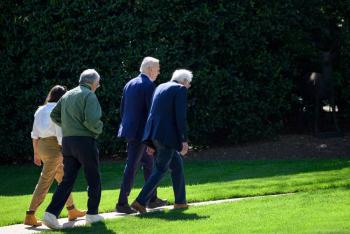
{"type": "Point", "coordinates": [206, 180]}
{"type": "Point", "coordinates": [321, 211]}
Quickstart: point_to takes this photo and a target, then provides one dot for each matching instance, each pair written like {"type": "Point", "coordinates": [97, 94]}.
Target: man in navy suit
{"type": "Point", "coordinates": [165, 133]}
{"type": "Point", "coordinates": [134, 108]}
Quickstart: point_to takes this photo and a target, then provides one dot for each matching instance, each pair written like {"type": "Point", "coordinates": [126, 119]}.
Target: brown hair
{"type": "Point", "coordinates": [55, 93]}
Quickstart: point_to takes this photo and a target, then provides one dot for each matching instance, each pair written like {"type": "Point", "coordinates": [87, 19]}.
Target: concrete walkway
{"type": "Point", "coordinates": [24, 229]}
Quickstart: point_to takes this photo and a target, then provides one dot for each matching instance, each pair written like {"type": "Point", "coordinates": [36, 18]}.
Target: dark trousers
{"type": "Point", "coordinates": [167, 158]}
{"type": "Point", "coordinates": [78, 151]}
{"type": "Point", "coordinates": [136, 154]}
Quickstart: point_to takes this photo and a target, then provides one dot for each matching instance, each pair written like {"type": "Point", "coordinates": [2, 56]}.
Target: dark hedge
{"type": "Point", "coordinates": [246, 56]}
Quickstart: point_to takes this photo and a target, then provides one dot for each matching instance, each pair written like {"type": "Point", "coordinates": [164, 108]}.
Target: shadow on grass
{"type": "Point", "coordinates": [21, 180]}
{"type": "Point", "coordinates": [172, 215]}
{"type": "Point", "coordinates": [99, 227]}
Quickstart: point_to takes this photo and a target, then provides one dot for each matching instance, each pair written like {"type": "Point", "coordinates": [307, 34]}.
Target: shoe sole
{"type": "Point", "coordinates": [122, 212]}
{"type": "Point", "coordinates": [161, 205]}
{"type": "Point", "coordinates": [125, 212]}
{"type": "Point", "coordinates": [33, 225]}
{"type": "Point", "coordinates": [51, 226]}
{"type": "Point", "coordinates": [72, 219]}
{"type": "Point", "coordinates": [153, 207]}
{"type": "Point", "coordinates": [87, 222]}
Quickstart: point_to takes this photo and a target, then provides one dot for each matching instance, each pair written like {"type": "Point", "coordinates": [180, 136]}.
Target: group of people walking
{"type": "Point", "coordinates": [153, 122]}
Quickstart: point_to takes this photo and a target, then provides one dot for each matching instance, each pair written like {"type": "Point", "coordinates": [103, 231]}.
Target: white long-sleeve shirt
{"type": "Point", "coordinates": [43, 126]}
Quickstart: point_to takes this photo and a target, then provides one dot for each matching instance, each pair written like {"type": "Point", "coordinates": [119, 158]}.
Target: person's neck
{"type": "Point", "coordinates": [148, 76]}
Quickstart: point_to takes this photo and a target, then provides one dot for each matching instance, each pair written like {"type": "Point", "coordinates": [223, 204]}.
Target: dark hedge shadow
{"type": "Point", "coordinates": [21, 180]}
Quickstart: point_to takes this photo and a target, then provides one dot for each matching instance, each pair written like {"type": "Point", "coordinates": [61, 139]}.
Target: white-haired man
{"type": "Point", "coordinates": [78, 113]}
{"type": "Point", "coordinates": [165, 133]}
{"type": "Point", "coordinates": [134, 108]}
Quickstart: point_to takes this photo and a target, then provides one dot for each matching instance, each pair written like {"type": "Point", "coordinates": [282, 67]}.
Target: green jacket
{"type": "Point", "coordinates": [78, 113]}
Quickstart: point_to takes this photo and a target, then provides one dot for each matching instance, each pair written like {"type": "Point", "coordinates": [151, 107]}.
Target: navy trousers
{"type": "Point", "coordinates": [78, 151]}
{"type": "Point", "coordinates": [167, 158]}
{"type": "Point", "coordinates": [136, 155]}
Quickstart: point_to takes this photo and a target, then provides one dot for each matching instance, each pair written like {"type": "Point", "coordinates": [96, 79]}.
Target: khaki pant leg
{"type": "Point", "coordinates": [45, 181]}
{"type": "Point", "coordinates": [59, 176]}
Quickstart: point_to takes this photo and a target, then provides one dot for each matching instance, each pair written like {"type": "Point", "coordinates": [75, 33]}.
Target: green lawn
{"type": "Point", "coordinates": [321, 211]}
{"type": "Point", "coordinates": [206, 180]}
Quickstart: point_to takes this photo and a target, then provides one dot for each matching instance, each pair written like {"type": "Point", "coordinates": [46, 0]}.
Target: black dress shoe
{"type": "Point", "coordinates": [157, 203]}
{"type": "Point", "coordinates": [125, 209]}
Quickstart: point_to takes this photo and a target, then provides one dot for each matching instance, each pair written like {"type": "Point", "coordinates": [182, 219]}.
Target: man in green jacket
{"type": "Point", "coordinates": [78, 113]}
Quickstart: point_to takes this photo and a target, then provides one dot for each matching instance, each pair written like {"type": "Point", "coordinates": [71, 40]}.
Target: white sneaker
{"type": "Point", "coordinates": [93, 218]}
{"type": "Point", "coordinates": [51, 221]}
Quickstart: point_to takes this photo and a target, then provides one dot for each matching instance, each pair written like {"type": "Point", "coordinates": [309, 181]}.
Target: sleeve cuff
{"type": "Point", "coordinates": [34, 136]}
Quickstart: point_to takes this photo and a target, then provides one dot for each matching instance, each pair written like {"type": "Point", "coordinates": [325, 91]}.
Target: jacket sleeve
{"type": "Point", "coordinates": [58, 131]}
{"type": "Point", "coordinates": [121, 107]}
{"type": "Point", "coordinates": [180, 112]}
{"type": "Point", "coordinates": [56, 113]}
{"type": "Point", "coordinates": [149, 96]}
{"type": "Point", "coordinates": [93, 114]}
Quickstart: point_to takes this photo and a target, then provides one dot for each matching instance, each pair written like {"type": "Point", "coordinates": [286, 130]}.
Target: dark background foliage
{"type": "Point", "coordinates": [247, 58]}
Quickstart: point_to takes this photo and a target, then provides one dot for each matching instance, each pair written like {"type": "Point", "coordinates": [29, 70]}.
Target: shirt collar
{"type": "Point", "coordinates": [85, 85]}
{"type": "Point", "coordinates": [143, 74]}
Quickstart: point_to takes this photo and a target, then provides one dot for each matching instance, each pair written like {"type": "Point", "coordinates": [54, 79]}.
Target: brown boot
{"type": "Point", "coordinates": [74, 213]}
{"type": "Point", "coordinates": [180, 206]}
{"type": "Point", "coordinates": [137, 206]}
{"type": "Point", "coordinates": [31, 219]}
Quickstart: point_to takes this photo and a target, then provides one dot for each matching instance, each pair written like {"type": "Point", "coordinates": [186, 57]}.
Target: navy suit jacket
{"type": "Point", "coordinates": [166, 121]}
{"type": "Point", "coordinates": [134, 107]}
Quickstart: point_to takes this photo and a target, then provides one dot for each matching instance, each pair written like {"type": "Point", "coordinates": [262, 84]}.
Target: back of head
{"type": "Point", "coordinates": [147, 63]}
{"type": "Point", "coordinates": [56, 93]}
{"type": "Point", "coordinates": [181, 75]}
{"type": "Point", "coordinates": [88, 76]}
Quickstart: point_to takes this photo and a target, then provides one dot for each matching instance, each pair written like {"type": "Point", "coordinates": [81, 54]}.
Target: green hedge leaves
{"type": "Point", "coordinates": [245, 55]}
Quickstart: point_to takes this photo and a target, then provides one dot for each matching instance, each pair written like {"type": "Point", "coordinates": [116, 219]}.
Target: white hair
{"type": "Point", "coordinates": [147, 63]}
{"type": "Point", "coordinates": [181, 75]}
{"type": "Point", "coordinates": [88, 76]}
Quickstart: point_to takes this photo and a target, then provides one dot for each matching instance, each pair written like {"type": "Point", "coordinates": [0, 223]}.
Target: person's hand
{"type": "Point", "coordinates": [184, 149]}
{"type": "Point", "coordinates": [37, 160]}
{"type": "Point", "coordinates": [150, 151]}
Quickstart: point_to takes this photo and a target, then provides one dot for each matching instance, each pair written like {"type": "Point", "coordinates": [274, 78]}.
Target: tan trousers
{"type": "Point", "coordinates": [51, 156]}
